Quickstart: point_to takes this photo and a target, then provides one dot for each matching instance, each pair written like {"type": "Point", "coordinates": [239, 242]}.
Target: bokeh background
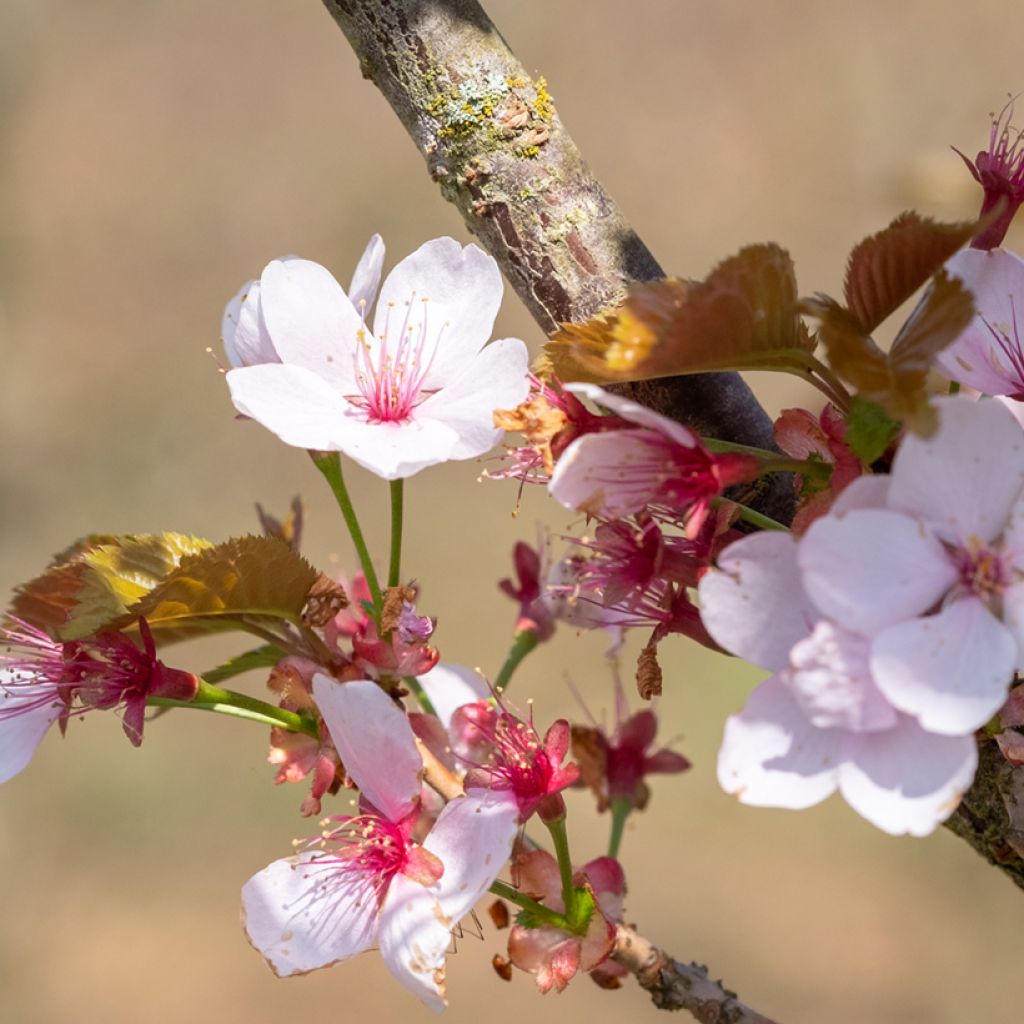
{"type": "Point", "coordinates": [155, 154]}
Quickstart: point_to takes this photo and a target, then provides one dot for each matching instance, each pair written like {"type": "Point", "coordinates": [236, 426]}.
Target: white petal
{"type": "Point", "coordinates": [1013, 617]}
{"type": "Point", "coordinates": [868, 491]}
{"type": "Point", "coordinates": [473, 837]}
{"type": "Point", "coordinates": [965, 479]}
{"type": "Point", "coordinates": [245, 336]}
{"type": "Point", "coordinates": [772, 756]}
{"type": "Point", "coordinates": [635, 413]}
{"type": "Point", "coordinates": [906, 780]}
{"type": "Point", "coordinates": [450, 686]}
{"type": "Point", "coordinates": [375, 742]}
{"type": "Point", "coordinates": [951, 670]}
{"type": "Point", "coordinates": [311, 321]}
{"type": "Point", "coordinates": [294, 403]}
{"type": "Point", "coordinates": [754, 604]}
{"type": "Point", "coordinates": [870, 568]}
{"type": "Point", "coordinates": [414, 936]}
{"type": "Point", "coordinates": [395, 451]}
{"type": "Point", "coordinates": [22, 728]}
{"type": "Point", "coordinates": [462, 288]}
{"type": "Point", "coordinates": [366, 277]}
{"type": "Point", "coordinates": [495, 379]}
{"type": "Point", "coordinates": [302, 915]}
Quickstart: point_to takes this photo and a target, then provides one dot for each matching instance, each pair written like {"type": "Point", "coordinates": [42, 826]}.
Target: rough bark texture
{"type": "Point", "coordinates": [494, 143]}
{"type": "Point", "coordinates": [677, 986]}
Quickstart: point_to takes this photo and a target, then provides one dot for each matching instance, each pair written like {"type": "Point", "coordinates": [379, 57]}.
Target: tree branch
{"type": "Point", "coordinates": [677, 986]}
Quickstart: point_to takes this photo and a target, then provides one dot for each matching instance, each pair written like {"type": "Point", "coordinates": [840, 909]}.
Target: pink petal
{"type": "Point", "coordinates": [951, 670]}
{"type": "Point", "coordinates": [21, 731]}
{"type": "Point", "coordinates": [310, 320]}
{"type": "Point", "coordinates": [375, 742]}
{"type": "Point", "coordinates": [754, 604]}
{"type": "Point", "coordinates": [906, 780]}
{"type": "Point", "coordinates": [1013, 618]}
{"type": "Point", "coordinates": [414, 936]}
{"type": "Point", "coordinates": [495, 379]}
{"type": "Point", "coordinates": [450, 686]}
{"type": "Point", "coordinates": [872, 567]}
{"type": "Point", "coordinates": [463, 289]}
{"type": "Point", "coordinates": [394, 451]}
{"type": "Point", "coordinates": [366, 277]}
{"type": "Point", "coordinates": [772, 756]}
{"type": "Point", "coordinates": [294, 403]}
{"type": "Point", "coordinates": [301, 916]}
{"type": "Point", "coordinates": [473, 837]}
{"type": "Point", "coordinates": [636, 413]}
{"type": "Point", "coordinates": [870, 491]}
{"type": "Point", "coordinates": [965, 479]}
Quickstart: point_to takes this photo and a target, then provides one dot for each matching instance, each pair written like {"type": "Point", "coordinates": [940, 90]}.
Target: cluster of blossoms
{"type": "Point", "coordinates": [891, 616]}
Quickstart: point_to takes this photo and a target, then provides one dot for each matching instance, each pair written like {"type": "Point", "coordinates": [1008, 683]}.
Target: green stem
{"type": "Point", "coordinates": [621, 809]}
{"type": "Point", "coordinates": [240, 705]}
{"type": "Point", "coordinates": [560, 838]}
{"type": "Point", "coordinates": [523, 643]}
{"type": "Point", "coordinates": [713, 444]}
{"type": "Point", "coordinates": [538, 910]}
{"type": "Point", "coordinates": [758, 518]}
{"type": "Point", "coordinates": [329, 463]}
{"type": "Point", "coordinates": [420, 694]}
{"type": "Point", "coordinates": [397, 503]}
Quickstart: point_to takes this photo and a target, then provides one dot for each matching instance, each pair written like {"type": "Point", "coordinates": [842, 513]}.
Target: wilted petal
{"type": "Point", "coordinates": [950, 670]}
{"type": "Point", "coordinates": [414, 935]}
{"type": "Point", "coordinates": [375, 742]}
{"type": "Point", "coordinates": [965, 479]}
{"type": "Point", "coordinates": [366, 277]}
{"type": "Point", "coordinates": [301, 914]}
{"type": "Point", "coordinates": [772, 756]}
{"type": "Point", "coordinates": [906, 780]}
{"type": "Point", "coordinates": [872, 567]}
{"type": "Point", "coordinates": [754, 604]}
{"type": "Point", "coordinates": [462, 288]}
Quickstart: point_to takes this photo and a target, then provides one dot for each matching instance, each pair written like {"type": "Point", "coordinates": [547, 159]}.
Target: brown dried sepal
{"type": "Point", "coordinates": [590, 752]}
{"type": "Point", "coordinates": [498, 912]}
{"type": "Point", "coordinates": [395, 599]}
{"type": "Point", "coordinates": [325, 599]}
{"type": "Point", "coordinates": [648, 672]}
{"type": "Point", "coordinates": [288, 529]}
{"type": "Point", "coordinates": [502, 967]}
{"type": "Point", "coordinates": [538, 421]}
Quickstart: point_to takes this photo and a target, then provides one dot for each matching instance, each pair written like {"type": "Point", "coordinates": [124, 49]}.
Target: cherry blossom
{"type": "Point", "coordinates": [366, 882]}
{"type": "Point", "coordinates": [418, 389]}
{"type": "Point", "coordinates": [616, 473]}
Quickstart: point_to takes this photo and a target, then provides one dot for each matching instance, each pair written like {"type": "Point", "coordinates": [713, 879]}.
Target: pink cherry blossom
{"type": "Point", "coordinates": [366, 882]}
{"type": "Point", "coordinates": [418, 389]}
{"type": "Point", "coordinates": [615, 473]}
{"type": "Point", "coordinates": [989, 355]}
{"type": "Point", "coordinates": [553, 956]}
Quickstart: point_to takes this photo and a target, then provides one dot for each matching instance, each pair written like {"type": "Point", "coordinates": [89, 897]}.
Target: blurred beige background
{"type": "Point", "coordinates": [153, 155]}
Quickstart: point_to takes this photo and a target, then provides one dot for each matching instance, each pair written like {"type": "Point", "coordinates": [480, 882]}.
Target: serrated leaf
{"type": "Point", "coordinates": [257, 577]}
{"type": "Point", "coordinates": [744, 315]}
{"type": "Point", "coordinates": [266, 656]}
{"type": "Point", "coordinates": [94, 581]}
{"type": "Point", "coordinates": [885, 269]}
{"type": "Point", "coordinates": [869, 430]}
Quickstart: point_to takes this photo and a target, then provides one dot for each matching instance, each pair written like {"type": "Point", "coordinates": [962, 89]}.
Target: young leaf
{"type": "Point", "coordinates": [885, 269]}
{"type": "Point", "coordinates": [743, 316]}
{"type": "Point", "coordinates": [244, 577]}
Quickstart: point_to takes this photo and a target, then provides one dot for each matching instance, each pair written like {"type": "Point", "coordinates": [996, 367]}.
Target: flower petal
{"type": "Point", "coordinates": [243, 332]}
{"type": "Point", "coordinates": [473, 838]}
{"type": "Point", "coordinates": [872, 567]}
{"type": "Point", "coordinates": [375, 742]}
{"type": "Point", "coordinates": [414, 936]}
{"type": "Point", "coordinates": [754, 604]}
{"type": "Point", "coordinates": [636, 413]}
{"type": "Point", "coordinates": [869, 491]}
{"type": "Point", "coordinates": [906, 780]}
{"type": "Point", "coordinates": [965, 479]}
{"type": "Point", "coordinates": [394, 451]}
{"type": "Point", "coordinates": [311, 321]}
{"type": "Point", "coordinates": [366, 277]}
{"type": "Point", "coordinates": [22, 725]}
{"type": "Point", "coordinates": [462, 288]}
{"type": "Point", "coordinates": [772, 756]}
{"type": "Point", "coordinates": [950, 670]}
{"type": "Point", "coordinates": [495, 379]}
{"type": "Point", "coordinates": [301, 914]}
{"type": "Point", "coordinates": [450, 686]}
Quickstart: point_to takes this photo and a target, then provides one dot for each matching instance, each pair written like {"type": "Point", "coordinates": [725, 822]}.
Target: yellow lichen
{"type": "Point", "coordinates": [543, 105]}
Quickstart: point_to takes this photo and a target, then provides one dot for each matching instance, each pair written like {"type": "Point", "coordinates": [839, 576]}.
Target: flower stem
{"type": "Point", "coordinates": [240, 705]}
{"type": "Point", "coordinates": [397, 504]}
{"type": "Point", "coordinates": [560, 838]}
{"type": "Point", "coordinates": [621, 809]}
{"type": "Point", "coordinates": [329, 463]}
{"type": "Point", "coordinates": [420, 694]}
{"type": "Point", "coordinates": [759, 518]}
{"type": "Point", "coordinates": [523, 643]}
{"type": "Point", "coordinates": [538, 910]}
